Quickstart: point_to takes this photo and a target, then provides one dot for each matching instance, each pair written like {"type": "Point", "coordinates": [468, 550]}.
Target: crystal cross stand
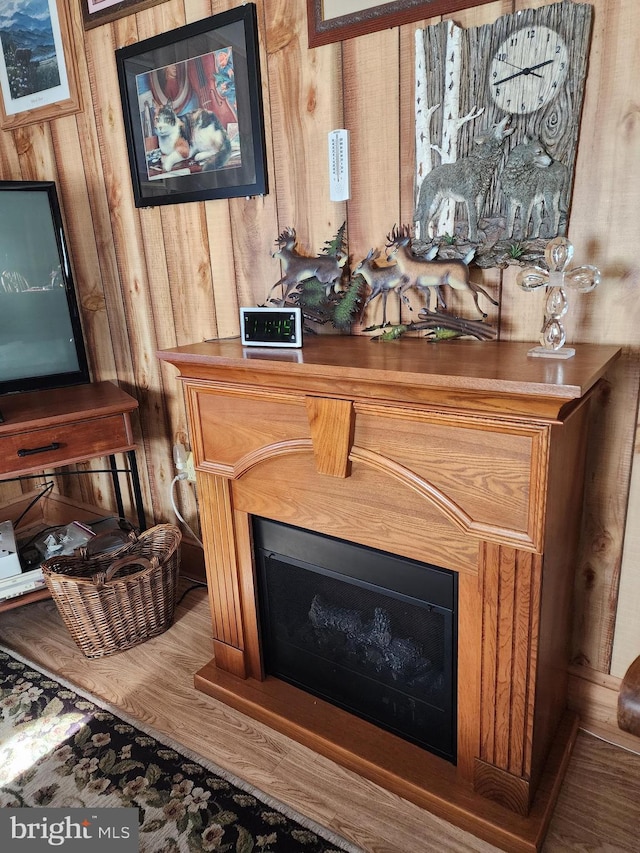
{"type": "Point", "coordinates": [557, 279]}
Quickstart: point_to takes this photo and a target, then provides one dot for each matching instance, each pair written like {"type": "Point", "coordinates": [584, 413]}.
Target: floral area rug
{"type": "Point", "coordinates": [60, 747]}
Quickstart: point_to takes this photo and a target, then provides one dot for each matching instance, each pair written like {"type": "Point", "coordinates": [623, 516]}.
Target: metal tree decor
{"type": "Point", "coordinates": [557, 279]}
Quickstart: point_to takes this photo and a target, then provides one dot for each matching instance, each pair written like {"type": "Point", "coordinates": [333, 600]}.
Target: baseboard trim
{"type": "Point", "coordinates": [594, 697]}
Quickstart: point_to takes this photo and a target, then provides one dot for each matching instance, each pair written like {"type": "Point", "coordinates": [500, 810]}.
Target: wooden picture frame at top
{"type": "Point", "coordinates": [374, 16]}
{"type": "Point", "coordinates": [192, 108]}
{"type": "Point", "coordinates": [98, 12]}
{"type": "Point", "coordinates": [51, 102]}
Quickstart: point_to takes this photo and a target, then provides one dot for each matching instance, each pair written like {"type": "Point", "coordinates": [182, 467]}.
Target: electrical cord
{"type": "Point", "coordinates": [177, 511]}
{"type": "Point", "coordinates": [47, 488]}
{"type": "Point", "coordinates": [196, 585]}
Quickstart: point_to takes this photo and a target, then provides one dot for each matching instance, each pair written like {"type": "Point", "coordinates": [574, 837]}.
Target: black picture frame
{"type": "Point", "coordinates": [195, 91]}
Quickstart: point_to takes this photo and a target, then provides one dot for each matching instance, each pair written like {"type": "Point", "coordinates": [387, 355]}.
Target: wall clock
{"type": "Point", "coordinates": [497, 111]}
{"type": "Point", "coordinates": [528, 69]}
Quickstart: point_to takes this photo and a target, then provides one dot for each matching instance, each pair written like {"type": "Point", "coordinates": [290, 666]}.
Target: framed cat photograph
{"type": "Point", "coordinates": [193, 116]}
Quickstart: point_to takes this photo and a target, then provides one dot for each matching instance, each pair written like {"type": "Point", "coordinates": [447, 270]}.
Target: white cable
{"type": "Point", "coordinates": [175, 508]}
{"type": "Point", "coordinates": [611, 740]}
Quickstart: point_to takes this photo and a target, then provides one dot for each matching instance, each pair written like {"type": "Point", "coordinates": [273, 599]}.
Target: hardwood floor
{"type": "Point", "coordinates": [598, 809]}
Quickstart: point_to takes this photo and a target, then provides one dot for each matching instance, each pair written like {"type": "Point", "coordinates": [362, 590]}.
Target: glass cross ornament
{"type": "Point", "coordinates": [558, 254]}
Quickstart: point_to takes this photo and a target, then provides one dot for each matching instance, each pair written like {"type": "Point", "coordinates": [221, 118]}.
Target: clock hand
{"type": "Point", "coordinates": [512, 64]}
{"type": "Point", "coordinates": [517, 74]}
{"type": "Point", "coordinates": [525, 71]}
{"type": "Point", "coordinates": [539, 65]}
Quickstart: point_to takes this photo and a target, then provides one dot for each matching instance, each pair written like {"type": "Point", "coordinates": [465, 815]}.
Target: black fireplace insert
{"type": "Point", "coordinates": [368, 631]}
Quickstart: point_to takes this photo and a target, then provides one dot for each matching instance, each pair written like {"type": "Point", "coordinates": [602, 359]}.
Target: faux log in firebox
{"type": "Point", "coordinates": [464, 455]}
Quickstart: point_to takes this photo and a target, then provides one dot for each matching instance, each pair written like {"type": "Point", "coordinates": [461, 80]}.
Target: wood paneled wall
{"type": "Point", "coordinates": [158, 277]}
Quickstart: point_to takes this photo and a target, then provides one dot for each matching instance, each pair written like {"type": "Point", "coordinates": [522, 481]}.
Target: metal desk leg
{"type": "Point", "coordinates": [116, 485]}
{"type": "Point", "coordinates": [137, 492]}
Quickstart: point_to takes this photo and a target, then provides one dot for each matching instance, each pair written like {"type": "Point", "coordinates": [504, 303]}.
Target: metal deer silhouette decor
{"type": "Point", "coordinates": [558, 254]}
{"type": "Point", "coordinates": [327, 292]}
{"type": "Point", "coordinates": [403, 271]}
{"type": "Point", "coordinates": [315, 283]}
{"type": "Point", "coordinates": [297, 268]}
{"type": "Point", "coordinates": [424, 273]}
{"type": "Point", "coordinates": [382, 280]}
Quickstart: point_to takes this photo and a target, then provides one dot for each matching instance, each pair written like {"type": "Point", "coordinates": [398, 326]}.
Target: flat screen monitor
{"type": "Point", "coordinates": [41, 341]}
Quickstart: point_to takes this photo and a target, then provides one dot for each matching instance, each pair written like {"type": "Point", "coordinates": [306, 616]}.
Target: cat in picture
{"type": "Point", "coordinates": [198, 135]}
{"type": "Point", "coordinates": [209, 141]}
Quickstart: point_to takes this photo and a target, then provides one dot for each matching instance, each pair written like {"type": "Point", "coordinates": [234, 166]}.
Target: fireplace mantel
{"type": "Point", "coordinates": [468, 455]}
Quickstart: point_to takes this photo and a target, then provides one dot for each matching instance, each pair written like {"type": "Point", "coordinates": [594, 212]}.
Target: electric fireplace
{"type": "Point", "coordinates": [370, 632]}
{"type": "Point", "coordinates": [462, 464]}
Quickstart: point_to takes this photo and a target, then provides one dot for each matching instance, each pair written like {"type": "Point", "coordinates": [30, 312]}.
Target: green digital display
{"type": "Point", "coordinates": [272, 327]}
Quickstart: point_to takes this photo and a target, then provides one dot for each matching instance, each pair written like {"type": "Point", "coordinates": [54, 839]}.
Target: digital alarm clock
{"type": "Point", "coordinates": [271, 327]}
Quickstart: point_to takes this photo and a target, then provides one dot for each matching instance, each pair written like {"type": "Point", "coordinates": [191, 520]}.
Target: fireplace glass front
{"type": "Point", "coordinates": [370, 632]}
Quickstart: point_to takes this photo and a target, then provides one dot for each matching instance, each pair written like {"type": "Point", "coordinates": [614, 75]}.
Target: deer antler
{"type": "Point", "coordinates": [392, 238]}
{"type": "Point", "coordinates": [398, 235]}
{"type": "Point", "coordinates": [287, 235]}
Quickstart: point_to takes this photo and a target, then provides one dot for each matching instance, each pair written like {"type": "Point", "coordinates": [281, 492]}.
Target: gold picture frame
{"type": "Point", "coordinates": [368, 17]}
{"type": "Point", "coordinates": [35, 86]}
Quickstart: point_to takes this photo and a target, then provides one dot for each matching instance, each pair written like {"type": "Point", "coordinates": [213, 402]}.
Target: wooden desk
{"type": "Point", "coordinates": [49, 429]}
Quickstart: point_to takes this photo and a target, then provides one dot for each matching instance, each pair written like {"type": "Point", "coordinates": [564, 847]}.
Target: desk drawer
{"type": "Point", "coordinates": [63, 444]}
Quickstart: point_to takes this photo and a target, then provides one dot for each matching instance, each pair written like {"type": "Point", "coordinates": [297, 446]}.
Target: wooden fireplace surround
{"type": "Point", "coordinates": [468, 455]}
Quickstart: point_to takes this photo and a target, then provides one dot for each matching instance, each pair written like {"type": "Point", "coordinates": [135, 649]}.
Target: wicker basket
{"type": "Point", "coordinates": [111, 602]}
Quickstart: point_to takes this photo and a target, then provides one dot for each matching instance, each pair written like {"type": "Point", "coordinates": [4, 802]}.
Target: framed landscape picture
{"type": "Point", "coordinates": [192, 105]}
{"type": "Point", "coordinates": [38, 76]}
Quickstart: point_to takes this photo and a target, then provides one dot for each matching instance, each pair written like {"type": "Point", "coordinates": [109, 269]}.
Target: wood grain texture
{"type": "Point", "coordinates": [470, 613]}
{"type": "Point", "coordinates": [220, 560]}
{"type": "Point", "coordinates": [627, 633]}
{"type": "Point", "coordinates": [143, 282]}
{"type": "Point", "coordinates": [306, 97]}
{"type": "Point", "coordinates": [597, 807]}
{"type": "Point", "coordinates": [605, 517]}
{"type": "Point", "coordinates": [511, 584]}
{"type": "Point", "coordinates": [273, 463]}
{"type": "Point", "coordinates": [487, 475]}
{"type": "Point", "coordinates": [331, 423]}
{"type": "Point", "coordinates": [289, 489]}
{"type": "Point", "coordinates": [371, 67]}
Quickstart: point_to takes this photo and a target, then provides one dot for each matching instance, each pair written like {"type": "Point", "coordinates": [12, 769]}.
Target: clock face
{"type": "Point", "coordinates": [528, 69]}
